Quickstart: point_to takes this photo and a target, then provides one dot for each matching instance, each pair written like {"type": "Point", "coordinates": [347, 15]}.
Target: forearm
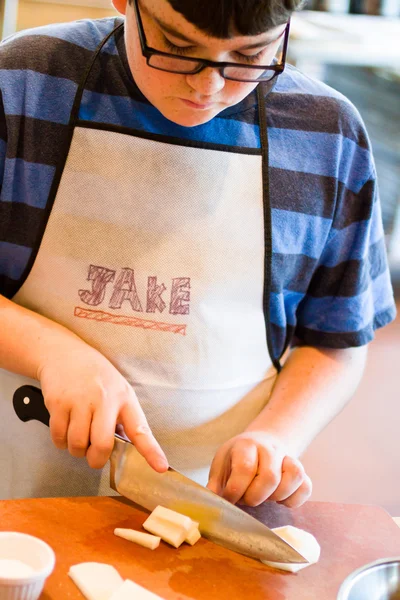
{"type": "Point", "coordinates": [84, 393]}
{"type": "Point", "coordinates": [312, 388]}
{"type": "Point", "coordinates": [26, 338]}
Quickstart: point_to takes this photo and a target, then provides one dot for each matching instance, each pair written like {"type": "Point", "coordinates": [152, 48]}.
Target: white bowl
{"type": "Point", "coordinates": [34, 553]}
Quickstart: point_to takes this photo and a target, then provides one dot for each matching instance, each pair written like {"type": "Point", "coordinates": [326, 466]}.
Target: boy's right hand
{"type": "Point", "coordinates": [87, 398]}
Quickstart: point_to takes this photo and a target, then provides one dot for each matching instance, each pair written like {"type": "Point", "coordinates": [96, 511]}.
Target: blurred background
{"type": "Point", "coordinates": [353, 46]}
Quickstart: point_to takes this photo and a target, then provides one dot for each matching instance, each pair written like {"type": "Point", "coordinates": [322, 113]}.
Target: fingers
{"type": "Point", "coordinates": [79, 431]}
{"type": "Point", "coordinates": [251, 473]}
{"type": "Point", "coordinates": [293, 475]}
{"type": "Point", "coordinates": [267, 479]}
{"type": "Point", "coordinates": [102, 429]}
{"type": "Point", "coordinates": [86, 425]}
{"type": "Point", "coordinates": [301, 495]}
{"type": "Point", "coordinates": [138, 431]}
{"type": "Point", "coordinates": [219, 472]}
{"type": "Point", "coordinates": [133, 425]}
{"type": "Point", "coordinates": [243, 468]}
{"type": "Point", "coordinates": [59, 423]}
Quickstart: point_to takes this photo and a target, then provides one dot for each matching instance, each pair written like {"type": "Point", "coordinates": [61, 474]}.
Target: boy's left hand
{"type": "Point", "coordinates": [253, 467]}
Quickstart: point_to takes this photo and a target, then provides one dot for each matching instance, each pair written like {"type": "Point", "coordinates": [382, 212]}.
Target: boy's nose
{"type": "Point", "coordinates": [207, 82]}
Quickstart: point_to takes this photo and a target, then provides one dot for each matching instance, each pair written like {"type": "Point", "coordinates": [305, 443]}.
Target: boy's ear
{"type": "Point", "coordinates": [120, 5]}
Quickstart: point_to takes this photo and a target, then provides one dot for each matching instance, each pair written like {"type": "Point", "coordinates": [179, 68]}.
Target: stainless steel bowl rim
{"type": "Point", "coordinates": [350, 579]}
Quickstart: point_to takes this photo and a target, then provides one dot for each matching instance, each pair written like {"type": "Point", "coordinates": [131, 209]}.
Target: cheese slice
{"type": "Point", "coordinates": [171, 516]}
{"type": "Point", "coordinates": [170, 526]}
{"type": "Point", "coordinates": [96, 581]}
{"type": "Point", "coordinates": [130, 590]}
{"type": "Point", "coordinates": [301, 540]}
{"type": "Point", "coordinates": [169, 532]}
{"type": "Point", "coordinates": [194, 534]}
{"type": "Point", "coordinates": [143, 539]}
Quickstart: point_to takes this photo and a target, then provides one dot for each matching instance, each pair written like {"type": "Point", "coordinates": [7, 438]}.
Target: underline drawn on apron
{"type": "Point", "coordinates": [100, 315]}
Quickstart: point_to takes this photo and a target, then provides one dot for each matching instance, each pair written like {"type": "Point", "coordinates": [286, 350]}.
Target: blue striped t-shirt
{"type": "Point", "coordinates": [330, 280]}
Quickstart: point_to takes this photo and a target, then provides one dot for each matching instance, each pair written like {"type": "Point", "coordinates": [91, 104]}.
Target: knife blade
{"type": "Point", "coordinates": [132, 477]}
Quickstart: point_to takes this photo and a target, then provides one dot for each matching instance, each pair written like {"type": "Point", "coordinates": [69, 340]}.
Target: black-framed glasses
{"type": "Point", "coordinates": [186, 65]}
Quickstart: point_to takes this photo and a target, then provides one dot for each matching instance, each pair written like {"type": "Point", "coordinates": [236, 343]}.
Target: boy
{"type": "Point", "coordinates": [177, 215]}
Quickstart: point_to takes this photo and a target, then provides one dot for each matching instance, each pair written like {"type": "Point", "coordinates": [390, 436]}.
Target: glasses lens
{"type": "Point", "coordinates": [175, 65]}
{"type": "Point", "coordinates": [246, 74]}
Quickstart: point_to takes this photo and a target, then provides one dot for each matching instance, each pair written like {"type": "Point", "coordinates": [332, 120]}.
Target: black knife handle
{"type": "Point", "coordinates": [29, 405]}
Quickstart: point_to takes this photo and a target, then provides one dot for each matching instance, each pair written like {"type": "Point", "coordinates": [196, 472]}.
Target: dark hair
{"type": "Point", "coordinates": [226, 18]}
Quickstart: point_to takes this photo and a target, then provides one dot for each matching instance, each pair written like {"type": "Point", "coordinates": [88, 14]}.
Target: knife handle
{"type": "Point", "coordinates": [28, 402]}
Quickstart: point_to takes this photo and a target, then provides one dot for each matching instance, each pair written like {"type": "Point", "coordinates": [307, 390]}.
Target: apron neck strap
{"type": "Point", "coordinates": [262, 119]}
{"type": "Point", "coordinates": [81, 88]}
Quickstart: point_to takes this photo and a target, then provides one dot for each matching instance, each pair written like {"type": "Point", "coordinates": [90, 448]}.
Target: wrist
{"type": "Point", "coordinates": [56, 344]}
{"type": "Point", "coordinates": [278, 435]}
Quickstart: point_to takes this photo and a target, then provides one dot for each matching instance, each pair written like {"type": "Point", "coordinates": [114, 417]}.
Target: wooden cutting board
{"type": "Point", "coordinates": [81, 530]}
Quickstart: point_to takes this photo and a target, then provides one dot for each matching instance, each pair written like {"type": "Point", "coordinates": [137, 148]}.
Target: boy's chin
{"type": "Point", "coordinates": [190, 118]}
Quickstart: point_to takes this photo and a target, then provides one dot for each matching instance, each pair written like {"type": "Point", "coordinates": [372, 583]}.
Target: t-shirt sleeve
{"type": "Point", "coordinates": [350, 294]}
{"type": "Point", "coordinates": [7, 250]}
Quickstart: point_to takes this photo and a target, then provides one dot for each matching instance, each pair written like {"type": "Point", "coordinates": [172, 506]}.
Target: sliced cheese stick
{"type": "Point", "coordinates": [143, 539]}
{"type": "Point", "coordinates": [301, 540]}
{"type": "Point", "coordinates": [96, 581]}
{"type": "Point", "coordinates": [171, 516]}
{"type": "Point", "coordinates": [130, 590]}
{"type": "Point", "coordinates": [170, 526]}
{"type": "Point", "coordinates": [194, 534]}
{"type": "Point", "coordinates": [169, 532]}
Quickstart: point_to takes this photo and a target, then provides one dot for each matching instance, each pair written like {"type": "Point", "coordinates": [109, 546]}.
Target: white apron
{"type": "Point", "coordinates": [154, 253]}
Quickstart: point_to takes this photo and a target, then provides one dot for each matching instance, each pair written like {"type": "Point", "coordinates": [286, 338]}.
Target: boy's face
{"type": "Point", "coordinates": [190, 100]}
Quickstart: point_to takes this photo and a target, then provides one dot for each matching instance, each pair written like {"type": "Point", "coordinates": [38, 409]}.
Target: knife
{"type": "Point", "coordinates": [132, 477]}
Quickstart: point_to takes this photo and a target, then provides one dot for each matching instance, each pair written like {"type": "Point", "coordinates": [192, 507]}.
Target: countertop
{"type": "Point", "coordinates": [81, 530]}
